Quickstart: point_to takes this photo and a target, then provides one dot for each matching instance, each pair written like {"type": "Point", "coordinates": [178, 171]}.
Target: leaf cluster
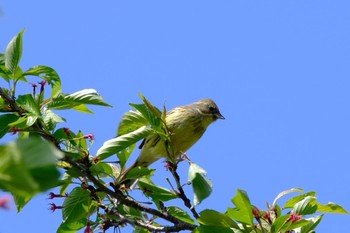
{"type": "Point", "coordinates": [94, 197]}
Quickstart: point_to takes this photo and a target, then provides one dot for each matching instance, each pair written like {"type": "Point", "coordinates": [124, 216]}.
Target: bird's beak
{"type": "Point", "coordinates": [219, 116]}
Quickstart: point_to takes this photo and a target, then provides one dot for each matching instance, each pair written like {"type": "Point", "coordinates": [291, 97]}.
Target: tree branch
{"type": "Point", "coordinates": [130, 202]}
{"type": "Point", "coordinates": [181, 192]}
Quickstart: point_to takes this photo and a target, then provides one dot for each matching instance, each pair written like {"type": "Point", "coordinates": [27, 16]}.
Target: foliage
{"type": "Point", "coordinates": [93, 195]}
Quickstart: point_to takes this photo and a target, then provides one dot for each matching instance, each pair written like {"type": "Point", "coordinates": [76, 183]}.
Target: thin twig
{"type": "Point", "coordinates": [181, 192]}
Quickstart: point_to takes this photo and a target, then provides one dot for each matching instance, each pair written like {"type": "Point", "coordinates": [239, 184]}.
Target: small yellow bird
{"type": "Point", "coordinates": [186, 125]}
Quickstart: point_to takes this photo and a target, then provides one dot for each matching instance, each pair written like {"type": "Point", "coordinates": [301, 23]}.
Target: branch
{"type": "Point", "coordinates": [181, 192]}
{"type": "Point", "coordinates": [11, 102]}
{"type": "Point", "coordinates": [147, 226]}
{"type": "Point", "coordinates": [36, 127]}
{"type": "Point", "coordinates": [130, 202]}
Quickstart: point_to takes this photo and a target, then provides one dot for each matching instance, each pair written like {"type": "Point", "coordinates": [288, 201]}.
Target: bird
{"type": "Point", "coordinates": [186, 125]}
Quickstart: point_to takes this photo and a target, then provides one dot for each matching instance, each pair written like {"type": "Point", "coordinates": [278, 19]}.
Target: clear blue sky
{"type": "Point", "coordinates": [279, 71]}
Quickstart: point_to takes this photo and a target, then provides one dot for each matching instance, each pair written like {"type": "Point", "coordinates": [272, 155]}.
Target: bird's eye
{"type": "Point", "coordinates": [211, 108]}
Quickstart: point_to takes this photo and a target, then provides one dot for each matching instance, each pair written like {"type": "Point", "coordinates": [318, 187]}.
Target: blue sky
{"type": "Point", "coordinates": [279, 71]}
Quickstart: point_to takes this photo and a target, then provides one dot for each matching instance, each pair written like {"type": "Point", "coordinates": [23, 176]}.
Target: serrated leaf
{"type": "Point", "coordinates": [152, 118]}
{"type": "Point", "coordinates": [306, 206]}
{"type": "Point", "coordinates": [28, 103]}
{"type": "Point", "coordinates": [129, 211]}
{"type": "Point", "coordinates": [193, 170]}
{"type": "Point", "coordinates": [291, 202]}
{"type": "Point", "coordinates": [202, 187]}
{"type": "Point", "coordinates": [24, 122]}
{"type": "Point", "coordinates": [21, 200]}
{"type": "Point", "coordinates": [279, 223]}
{"type": "Point", "coordinates": [76, 205]}
{"type": "Point", "coordinates": [117, 144]}
{"type": "Point", "coordinates": [82, 108]}
{"type": "Point", "coordinates": [77, 100]}
{"type": "Point", "coordinates": [13, 53]}
{"type": "Point", "coordinates": [156, 112]}
{"type": "Point", "coordinates": [180, 214]}
{"type": "Point", "coordinates": [124, 155]}
{"type": "Point", "coordinates": [48, 74]}
{"type": "Point", "coordinates": [131, 121]}
{"type": "Point", "coordinates": [289, 226]}
{"type": "Point", "coordinates": [286, 192]}
{"type": "Point", "coordinates": [51, 119]}
{"type": "Point", "coordinates": [138, 172]}
{"type": "Point", "coordinates": [313, 222]}
{"type": "Point", "coordinates": [331, 207]}
{"type": "Point", "coordinates": [157, 193]}
{"type": "Point", "coordinates": [72, 227]}
{"type": "Point", "coordinates": [243, 212]}
{"type": "Point", "coordinates": [105, 170]}
{"type": "Point", "coordinates": [214, 218]}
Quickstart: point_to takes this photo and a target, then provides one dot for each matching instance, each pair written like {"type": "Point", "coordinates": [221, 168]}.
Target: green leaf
{"type": "Point", "coordinates": [138, 172]}
{"type": "Point", "coordinates": [306, 206]}
{"type": "Point", "coordinates": [65, 182]}
{"type": "Point", "coordinates": [4, 73]}
{"type": "Point", "coordinates": [294, 200]}
{"type": "Point", "coordinates": [82, 108]}
{"type": "Point", "coordinates": [21, 200]}
{"type": "Point", "coordinates": [243, 212]}
{"type": "Point", "coordinates": [152, 118]}
{"type": "Point", "coordinates": [331, 207]}
{"type": "Point", "coordinates": [131, 121]}
{"type": "Point", "coordinates": [279, 223]}
{"type": "Point", "coordinates": [289, 226]}
{"type": "Point", "coordinates": [13, 53]}
{"type": "Point", "coordinates": [72, 227]}
{"type": "Point", "coordinates": [3, 105]}
{"type": "Point", "coordinates": [124, 155]}
{"type": "Point", "coordinates": [105, 170]}
{"type": "Point", "coordinates": [212, 229]}
{"type": "Point", "coordinates": [311, 226]}
{"type": "Point", "coordinates": [286, 192]}
{"type": "Point", "coordinates": [129, 211]}
{"type": "Point", "coordinates": [117, 144]}
{"type": "Point", "coordinates": [157, 193]}
{"type": "Point", "coordinates": [2, 59]}
{"type": "Point", "coordinates": [5, 120]}
{"type": "Point", "coordinates": [28, 103]}
{"type": "Point", "coordinates": [77, 100]}
{"type": "Point", "coordinates": [48, 74]}
{"type": "Point", "coordinates": [24, 122]}
{"type": "Point", "coordinates": [76, 206]}
{"type": "Point", "coordinates": [51, 119]}
{"type": "Point", "coordinates": [180, 214]}
{"type": "Point", "coordinates": [28, 167]}
{"type": "Point", "coordinates": [202, 187]}
{"type": "Point", "coordinates": [156, 112]}
{"type": "Point", "coordinates": [214, 218]}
